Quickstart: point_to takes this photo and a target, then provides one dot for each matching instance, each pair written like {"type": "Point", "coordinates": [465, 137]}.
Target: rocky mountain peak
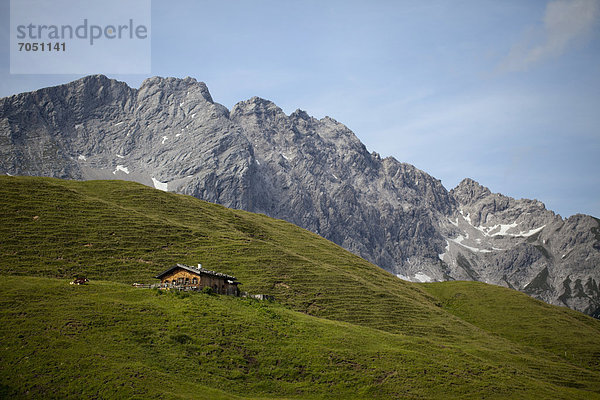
{"type": "Point", "coordinates": [190, 86]}
{"type": "Point", "coordinates": [97, 80]}
{"type": "Point", "coordinates": [300, 114]}
{"type": "Point", "coordinates": [469, 191]}
{"type": "Point", "coordinates": [263, 110]}
{"type": "Point", "coordinates": [91, 90]}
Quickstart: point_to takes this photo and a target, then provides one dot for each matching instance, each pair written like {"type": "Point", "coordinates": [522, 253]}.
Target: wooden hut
{"type": "Point", "coordinates": [184, 277]}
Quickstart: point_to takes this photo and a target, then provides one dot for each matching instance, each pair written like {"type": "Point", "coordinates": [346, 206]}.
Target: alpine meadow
{"type": "Point", "coordinates": [339, 327]}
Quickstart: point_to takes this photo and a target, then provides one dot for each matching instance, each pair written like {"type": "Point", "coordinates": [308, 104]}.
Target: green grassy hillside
{"type": "Point", "coordinates": [340, 328]}
{"type": "Point", "coordinates": [522, 319]}
{"type": "Point", "coordinates": [126, 232]}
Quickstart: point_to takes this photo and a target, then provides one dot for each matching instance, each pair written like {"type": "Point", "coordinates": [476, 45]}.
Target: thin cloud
{"type": "Point", "coordinates": [565, 21]}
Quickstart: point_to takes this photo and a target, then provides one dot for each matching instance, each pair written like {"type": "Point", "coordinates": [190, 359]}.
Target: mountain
{"type": "Point", "coordinates": [339, 327]}
{"type": "Point", "coordinates": [520, 244]}
{"type": "Point", "coordinates": [315, 173]}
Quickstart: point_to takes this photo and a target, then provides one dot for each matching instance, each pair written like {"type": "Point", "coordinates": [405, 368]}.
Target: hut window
{"type": "Point", "coordinates": [194, 281]}
{"type": "Point", "coordinates": [166, 282]}
{"type": "Point", "coordinates": [179, 281]}
{"type": "Point", "coordinates": [187, 281]}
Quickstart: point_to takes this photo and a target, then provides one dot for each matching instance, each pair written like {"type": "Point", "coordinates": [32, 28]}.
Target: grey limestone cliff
{"type": "Point", "coordinates": [520, 244]}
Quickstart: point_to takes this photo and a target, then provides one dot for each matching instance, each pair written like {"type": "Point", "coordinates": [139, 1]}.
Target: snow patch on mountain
{"type": "Point", "coordinates": [121, 168]}
{"type": "Point", "coordinates": [160, 185]}
{"type": "Point", "coordinates": [460, 239]}
{"type": "Point", "coordinates": [441, 256]}
{"type": "Point", "coordinates": [531, 232]}
{"type": "Point", "coordinates": [421, 277]}
{"type": "Point", "coordinates": [418, 277]}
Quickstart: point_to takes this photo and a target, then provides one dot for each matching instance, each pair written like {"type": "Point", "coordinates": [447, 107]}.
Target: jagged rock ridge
{"type": "Point", "coordinates": [316, 173]}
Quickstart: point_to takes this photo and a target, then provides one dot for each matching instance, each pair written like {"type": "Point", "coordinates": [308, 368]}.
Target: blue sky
{"type": "Point", "coordinates": [505, 92]}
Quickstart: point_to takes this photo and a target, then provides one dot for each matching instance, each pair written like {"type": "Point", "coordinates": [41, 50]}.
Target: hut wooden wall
{"type": "Point", "coordinates": [218, 284]}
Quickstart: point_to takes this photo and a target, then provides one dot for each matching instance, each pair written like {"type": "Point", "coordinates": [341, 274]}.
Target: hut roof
{"type": "Point", "coordinates": [197, 271]}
